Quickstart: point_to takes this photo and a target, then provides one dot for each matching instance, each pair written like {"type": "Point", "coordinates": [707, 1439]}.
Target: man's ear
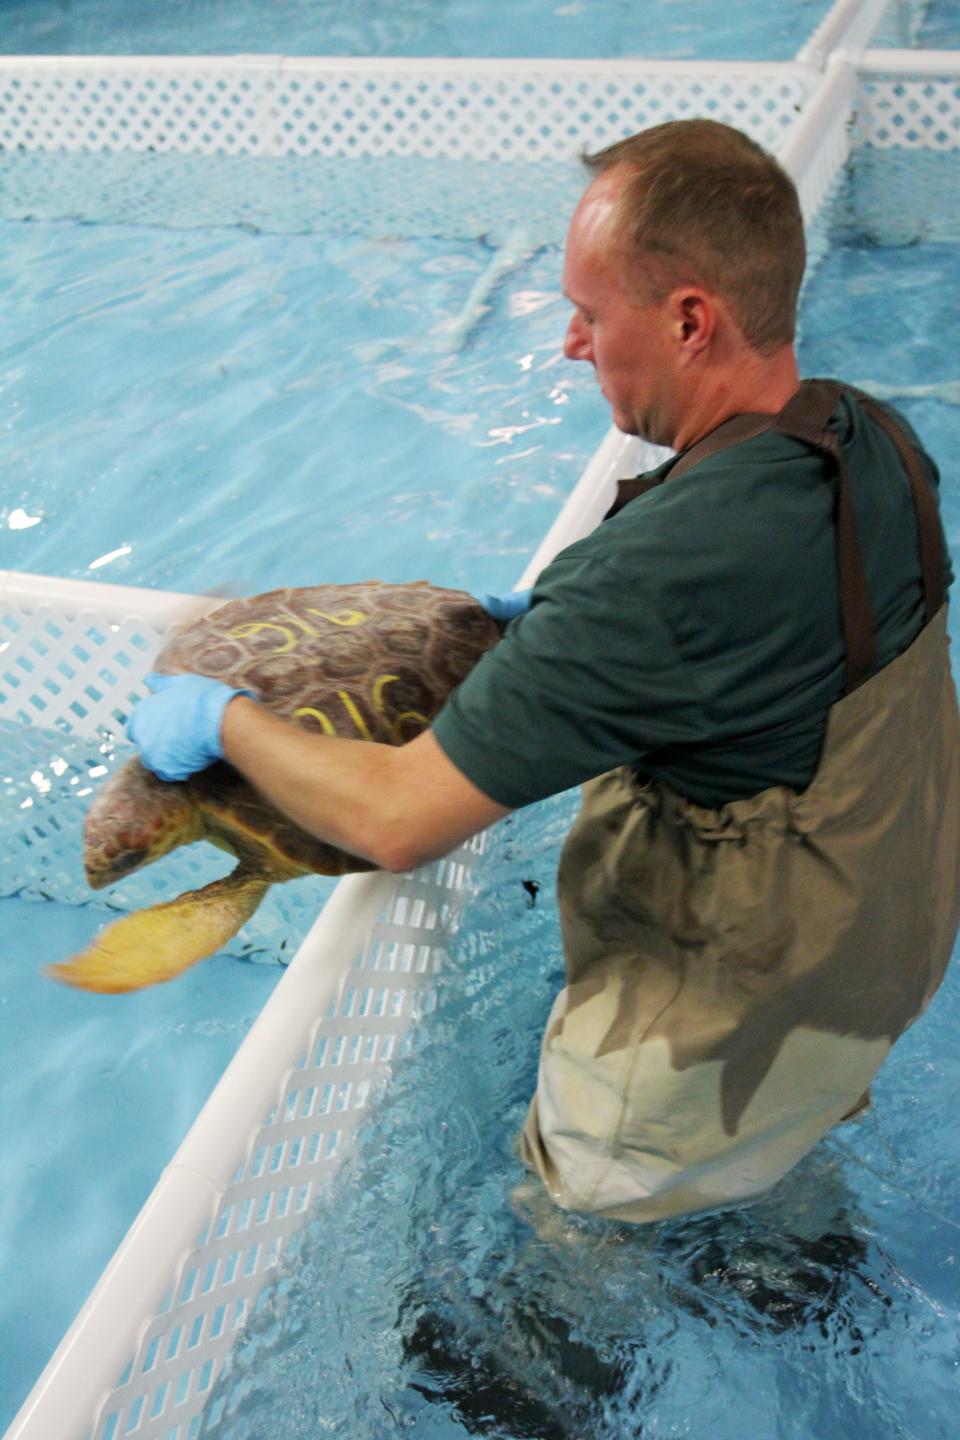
{"type": "Point", "coordinates": [696, 317]}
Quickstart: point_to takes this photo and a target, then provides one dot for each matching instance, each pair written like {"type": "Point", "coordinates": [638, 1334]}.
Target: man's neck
{"type": "Point", "coordinates": [758, 384]}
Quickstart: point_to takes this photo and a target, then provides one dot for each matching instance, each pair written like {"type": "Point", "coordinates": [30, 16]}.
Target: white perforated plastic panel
{"type": "Point", "coordinates": [912, 112]}
{"type": "Point", "coordinates": [503, 110]}
{"type": "Point", "coordinates": [905, 182]}
{"type": "Point", "coordinates": [430, 147]}
{"type": "Point", "coordinates": [346, 1056]}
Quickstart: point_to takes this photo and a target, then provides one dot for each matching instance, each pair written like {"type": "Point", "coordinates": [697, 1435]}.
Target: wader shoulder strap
{"type": "Point", "coordinates": [806, 416]}
{"type": "Point", "coordinates": [930, 536]}
{"type": "Point", "coordinates": [731, 432]}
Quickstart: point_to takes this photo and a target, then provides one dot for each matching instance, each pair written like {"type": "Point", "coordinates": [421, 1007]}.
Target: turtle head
{"type": "Point", "coordinates": [134, 820]}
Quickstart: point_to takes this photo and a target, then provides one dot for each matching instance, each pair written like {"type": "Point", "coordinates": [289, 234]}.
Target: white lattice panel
{"type": "Point", "coordinates": [442, 148]}
{"type": "Point", "coordinates": [918, 112]}
{"type": "Point", "coordinates": [503, 110]}
{"type": "Point", "coordinates": [72, 672]}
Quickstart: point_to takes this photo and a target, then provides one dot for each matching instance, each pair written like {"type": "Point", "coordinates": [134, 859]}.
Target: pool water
{"type": "Point", "coordinates": [95, 1098]}
{"type": "Point", "coordinates": [223, 412]}
{"type": "Point", "coordinates": [828, 1309]}
{"type": "Point", "coordinates": [655, 29]}
{"type": "Point", "coordinates": [936, 26]}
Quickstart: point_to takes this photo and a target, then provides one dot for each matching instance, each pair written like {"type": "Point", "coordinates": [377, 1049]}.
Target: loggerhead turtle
{"type": "Point", "coordinates": [370, 660]}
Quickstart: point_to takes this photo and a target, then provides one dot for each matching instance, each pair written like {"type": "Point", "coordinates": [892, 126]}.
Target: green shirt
{"type": "Point", "coordinates": [695, 634]}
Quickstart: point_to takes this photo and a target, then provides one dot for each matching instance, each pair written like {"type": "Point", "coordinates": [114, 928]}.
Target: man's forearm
{"type": "Point", "coordinates": [397, 807]}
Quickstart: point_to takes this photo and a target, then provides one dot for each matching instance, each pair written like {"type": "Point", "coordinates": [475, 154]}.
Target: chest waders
{"type": "Point", "coordinates": [736, 975]}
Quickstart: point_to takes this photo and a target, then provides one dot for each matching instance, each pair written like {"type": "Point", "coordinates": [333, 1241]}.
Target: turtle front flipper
{"type": "Point", "coordinates": [160, 943]}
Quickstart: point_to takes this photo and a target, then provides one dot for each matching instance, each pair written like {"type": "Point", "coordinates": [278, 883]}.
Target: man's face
{"type": "Point", "coordinates": [628, 340]}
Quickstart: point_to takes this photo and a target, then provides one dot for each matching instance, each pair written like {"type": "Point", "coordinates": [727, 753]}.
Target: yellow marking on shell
{"type": "Point", "coordinates": [325, 721]}
{"type": "Point", "coordinates": [340, 617]}
{"type": "Point", "coordinates": [363, 730]}
{"type": "Point", "coordinates": [355, 715]}
{"type": "Point", "coordinates": [254, 627]}
{"type": "Point", "coordinates": [396, 723]}
{"type": "Point", "coordinates": [398, 720]}
{"type": "Point", "coordinates": [304, 625]}
{"type": "Point", "coordinates": [379, 685]}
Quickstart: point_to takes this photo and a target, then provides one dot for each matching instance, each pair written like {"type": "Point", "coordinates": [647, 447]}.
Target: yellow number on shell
{"type": "Point", "coordinates": [396, 723]}
{"type": "Point", "coordinates": [355, 715]}
{"type": "Point", "coordinates": [317, 715]}
{"type": "Point", "coordinates": [327, 724]}
{"type": "Point", "coordinates": [340, 617]}
{"type": "Point", "coordinates": [241, 632]}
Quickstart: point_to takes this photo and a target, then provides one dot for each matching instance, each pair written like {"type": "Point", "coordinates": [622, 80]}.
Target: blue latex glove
{"type": "Point", "coordinates": [177, 728]}
{"type": "Point", "coordinates": [506, 607]}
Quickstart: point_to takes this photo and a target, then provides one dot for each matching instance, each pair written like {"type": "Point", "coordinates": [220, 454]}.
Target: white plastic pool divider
{"type": "Point", "coordinates": [373, 146]}
{"type": "Point", "coordinates": [244, 1185]}
{"type": "Point", "coordinates": [910, 98]}
{"type": "Point", "coordinates": [530, 109]}
{"type": "Point", "coordinates": [904, 185]}
{"type": "Point", "coordinates": [856, 24]}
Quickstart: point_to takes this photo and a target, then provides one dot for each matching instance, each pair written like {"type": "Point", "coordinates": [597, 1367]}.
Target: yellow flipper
{"type": "Point", "coordinates": [160, 943]}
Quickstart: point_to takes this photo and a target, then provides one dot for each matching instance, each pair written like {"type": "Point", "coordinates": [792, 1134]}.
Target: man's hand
{"type": "Point", "coordinates": [506, 607]}
{"type": "Point", "coordinates": [177, 728]}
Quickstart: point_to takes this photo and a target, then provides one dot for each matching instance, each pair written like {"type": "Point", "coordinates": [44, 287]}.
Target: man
{"type": "Point", "coordinates": [747, 662]}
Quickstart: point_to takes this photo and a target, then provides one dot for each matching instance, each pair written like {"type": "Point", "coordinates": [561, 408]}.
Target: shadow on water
{"type": "Point", "coordinates": [494, 1314]}
{"type": "Point", "coordinates": [565, 1328]}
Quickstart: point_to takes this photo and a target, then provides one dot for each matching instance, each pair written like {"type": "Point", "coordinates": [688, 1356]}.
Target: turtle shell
{"type": "Point", "coordinates": [369, 661]}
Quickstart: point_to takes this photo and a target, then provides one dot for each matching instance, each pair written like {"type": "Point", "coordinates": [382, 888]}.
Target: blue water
{"type": "Point", "coordinates": [218, 411]}
{"type": "Point", "coordinates": [934, 25]}
{"type": "Point", "coordinates": [660, 29]}
{"type": "Point", "coordinates": [940, 28]}
{"type": "Point", "coordinates": [95, 1099]}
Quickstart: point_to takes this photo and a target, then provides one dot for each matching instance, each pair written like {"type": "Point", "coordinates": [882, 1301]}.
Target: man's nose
{"type": "Point", "coordinates": [576, 344]}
